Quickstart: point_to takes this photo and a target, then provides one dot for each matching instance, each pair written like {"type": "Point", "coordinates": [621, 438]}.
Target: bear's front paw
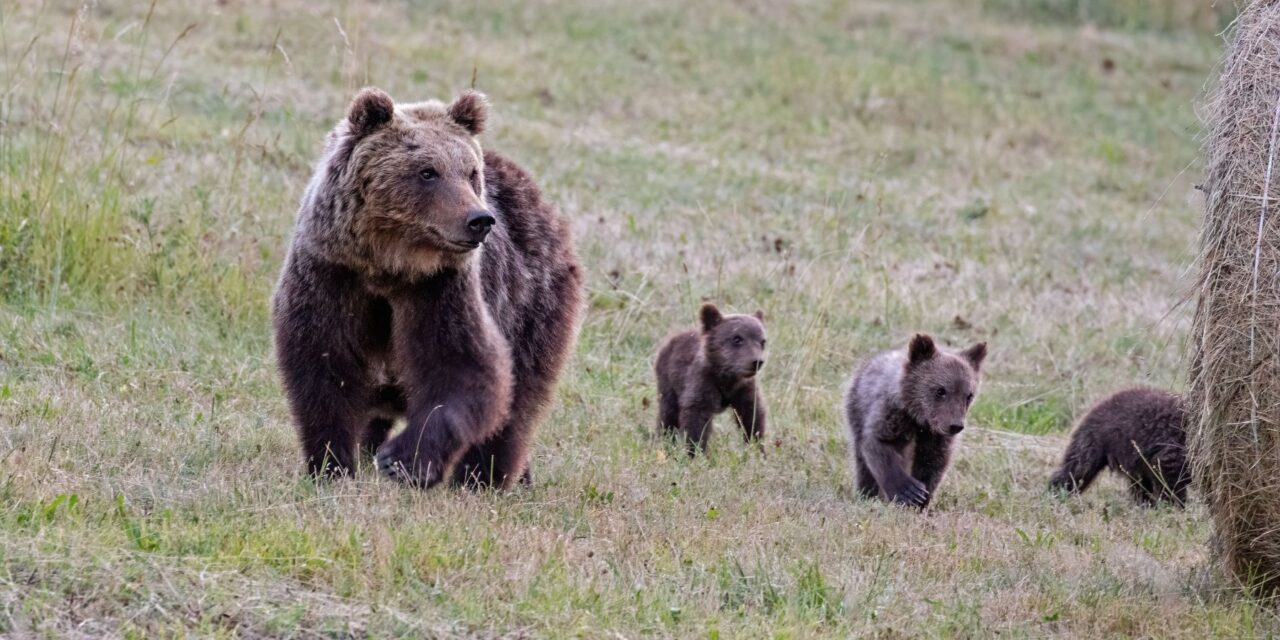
{"type": "Point", "coordinates": [912, 492]}
{"type": "Point", "coordinates": [416, 472]}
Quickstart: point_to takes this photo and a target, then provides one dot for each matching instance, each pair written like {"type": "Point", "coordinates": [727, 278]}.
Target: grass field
{"type": "Point", "coordinates": [1017, 172]}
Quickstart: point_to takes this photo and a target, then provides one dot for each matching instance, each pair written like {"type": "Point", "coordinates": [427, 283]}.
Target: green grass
{"type": "Point", "coordinates": [1020, 173]}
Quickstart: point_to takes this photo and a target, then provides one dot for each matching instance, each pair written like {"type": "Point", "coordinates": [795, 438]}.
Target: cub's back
{"type": "Point", "coordinates": [675, 358]}
{"type": "Point", "coordinates": [873, 389]}
{"type": "Point", "coordinates": [1150, 417]}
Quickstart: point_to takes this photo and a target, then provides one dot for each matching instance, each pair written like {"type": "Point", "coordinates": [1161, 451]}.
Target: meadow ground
{"type": "Point", "coordinates": [1017, 172]}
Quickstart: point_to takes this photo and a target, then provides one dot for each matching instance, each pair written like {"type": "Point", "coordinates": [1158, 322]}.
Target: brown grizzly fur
{"type": "Point", "coordinates": [904, 410]}
{"type": "Point", "coordinates": [703, 372]}
{"type": "Point", "coordinates": [426, 279]}
{"type": "Point", "coordinates": [1138, 433]}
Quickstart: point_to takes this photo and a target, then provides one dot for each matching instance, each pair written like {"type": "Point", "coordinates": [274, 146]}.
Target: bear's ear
{"type": "Point", "coordinates": [710, 316]}
{"type": "Point", "coordinates": [760, 315]}
{"type": "Point", "coordinates": [370, 109]}
{"type": "Point", "coordinates": [921, 348]}
{"type": "Point", "coordinates": [975, 355]}
{"type": "Point", "coordinates": [471, 110]}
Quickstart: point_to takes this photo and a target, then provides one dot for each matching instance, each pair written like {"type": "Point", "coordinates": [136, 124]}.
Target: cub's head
{"type": "Point", "coordinates": [416, 179]}
{"type": "Point", "coordinates": [938, 385]}
{"type": "Point", "coordinates": [734, 344]}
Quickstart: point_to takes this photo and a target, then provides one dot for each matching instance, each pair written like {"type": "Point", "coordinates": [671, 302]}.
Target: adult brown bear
{"type": "Point", "coordinates": [426, 278]}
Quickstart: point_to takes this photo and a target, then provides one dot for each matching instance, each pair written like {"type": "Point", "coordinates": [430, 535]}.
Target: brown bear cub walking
{"type": "Point", "coordinates": [426, 278]}
{"type": "Point", "coordinates": [904, 410]}
{"type": "Point", "coordinates": [702, 373]}
{"type": "Point", "coordinates": [1137, 432]}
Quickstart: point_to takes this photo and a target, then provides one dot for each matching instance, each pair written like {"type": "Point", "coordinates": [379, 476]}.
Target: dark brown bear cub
{"type": "Point", "coordinates": [426, 279]}
{"type": "Point", "coordinates": [1138, 433]}
{"type": "Point", "coordinates": [701, 373]}
{"type": "Point", "coordinates": [905, 409]}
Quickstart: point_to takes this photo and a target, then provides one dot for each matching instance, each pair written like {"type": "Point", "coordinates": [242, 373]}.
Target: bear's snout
{"type": "Point", "coordinates": [479, 222]}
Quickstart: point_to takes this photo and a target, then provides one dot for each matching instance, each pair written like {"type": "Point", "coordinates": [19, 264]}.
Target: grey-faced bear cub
{"type": "Point", "coordinates": [703, 372]}
{"type": "Point", "coordinates": [1138, 433]}
{"type": "Point", "coordinates": [905, 408]}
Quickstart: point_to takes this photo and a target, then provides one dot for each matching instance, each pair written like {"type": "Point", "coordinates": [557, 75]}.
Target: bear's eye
{"type": "Point", "coordinates": [737, 341]}
{"type": "Point", "coordinates": [475, 175]}
{"type": "Point", "coordinates": [968, 399]}
{"type": "Point", "coordinates": [429, 174]}
{"type": "Point", "coordinates": [939, 393]}
{"type": "Point", "coordinates": [762, 343]}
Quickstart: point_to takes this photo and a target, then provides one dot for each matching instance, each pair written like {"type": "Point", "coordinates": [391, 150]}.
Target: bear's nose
{"type": "Point", "coordinates": [480, 222]}
{"type": "Point", "coordinates": [956, 428]}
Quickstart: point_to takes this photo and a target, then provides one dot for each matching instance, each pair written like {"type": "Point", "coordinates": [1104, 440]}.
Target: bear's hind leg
{"type": "Point", "coordinates": [695, 422]}
{"type": "Point", "coordinates": [496, 463]}
{"type": "Point", "coordinates": [1142, 487]}
{"type": "Point", "coordinates": [1083, 460]}
{"type": "Point", "coordinates": [375, 433]}
{"type": "Point", "coordinates": [668, 412]}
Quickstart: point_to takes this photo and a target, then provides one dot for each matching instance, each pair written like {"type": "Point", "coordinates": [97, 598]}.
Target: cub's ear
{"type": "Point", "coordinates": [759, 315]}
{"type": "Point", "coordinates": [710, 316]}
{"type": "Point", "coordinates": [975, 355]}
{"type": "Point", "coordinates": [370, 109]}
{"type": "Point", "coordinates": [471, 110]}
{"type": "Point", "coordinates": [921, 348]}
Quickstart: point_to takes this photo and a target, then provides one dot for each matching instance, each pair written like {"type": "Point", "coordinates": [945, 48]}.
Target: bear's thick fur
{"type": "Point", "coordinates": [904, 409]}
{"type": "Point", "coordinates": [701, 373]}
{"type": "Point", "coordinates": [426, 279]}
{"type": "Point", "coordinates": [1138, 433]}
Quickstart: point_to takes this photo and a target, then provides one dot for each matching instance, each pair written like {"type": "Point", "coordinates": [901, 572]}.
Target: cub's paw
{"type": "Point", "coordinates": [911, 492]}
{"type": "Point", "coordinates": [416, 472]}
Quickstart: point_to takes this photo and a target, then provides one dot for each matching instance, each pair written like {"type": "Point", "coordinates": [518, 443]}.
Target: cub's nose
{"type": "Point", "coordinates": [757, 365]}
{"type": "Point", "coordinates": [956, 428]}
{"type": "Point", "coordinates": [479, 223]}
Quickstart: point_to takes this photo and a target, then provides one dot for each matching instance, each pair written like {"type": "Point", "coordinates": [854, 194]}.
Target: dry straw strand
{"type": "Point", "coordinates": [1234, 397]}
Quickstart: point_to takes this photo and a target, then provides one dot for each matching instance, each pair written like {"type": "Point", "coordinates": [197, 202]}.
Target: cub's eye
{"type": "Point", "coordinates": [968, 399]}
{"type": "Point", "coordinates": [763, 343]}
{"type": "Point", "coordinates": [737, 341]}
{"type": "Point", "coordinates": [429, 174]}
{"type": "Point", "coordinates": [939, 393]}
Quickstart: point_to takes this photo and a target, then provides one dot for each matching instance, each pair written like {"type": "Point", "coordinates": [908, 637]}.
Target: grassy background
{"type": "Point", "coordinates": [1017, 172]}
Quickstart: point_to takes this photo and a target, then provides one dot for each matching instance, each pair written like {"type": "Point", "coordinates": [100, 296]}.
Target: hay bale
{"type": "Point", "coordinates": [1234, 397]}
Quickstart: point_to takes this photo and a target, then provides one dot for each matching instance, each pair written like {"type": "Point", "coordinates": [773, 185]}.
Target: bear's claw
{"type": "Point", "coordinates": [390, 467]}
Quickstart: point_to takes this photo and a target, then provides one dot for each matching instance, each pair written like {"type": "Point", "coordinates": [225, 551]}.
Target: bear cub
{"type": "Point", "coordinates": [1137, 432]}
{"type": "Point", "coordinates": [703, 372]}
{"type": "Point", "coordinates": [905, 409]}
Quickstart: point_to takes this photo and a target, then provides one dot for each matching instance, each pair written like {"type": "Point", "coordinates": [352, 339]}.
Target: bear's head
{"type": "Point", "coordinates": [733, 345]}
{"type": "Point", "coordinates": [418, 176]}
{"type": "Point", "coordinates": [938, 386]}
